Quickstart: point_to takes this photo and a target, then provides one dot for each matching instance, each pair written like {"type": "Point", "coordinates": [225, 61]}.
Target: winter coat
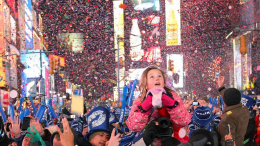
{"type": "Point", "coordinates": [237, 116]}
{"type": "Point", "coordinates": [179, 116]}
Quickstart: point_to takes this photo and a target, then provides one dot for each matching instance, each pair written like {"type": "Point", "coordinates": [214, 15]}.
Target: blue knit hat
{"type": "Point", "coordinates": [98, 120]}
{"type": "Point", "coordinates": [202, 117]}
{"type": "Point", "coordinates": [77, 125]}
{"type": "Point", "coordinates": [113, 118]}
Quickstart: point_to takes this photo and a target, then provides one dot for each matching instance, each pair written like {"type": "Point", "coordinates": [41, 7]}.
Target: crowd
{"type": "Point", "coordinates": [157, 117]}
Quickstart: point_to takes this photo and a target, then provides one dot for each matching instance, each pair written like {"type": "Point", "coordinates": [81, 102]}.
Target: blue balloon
{"type": "Point", "coordinates": [3, 113]}
{"type": "Point", "coordinates": [26, 112]}
{"type": "Point", "coordinates": [40, 112]}
{"type": "Point", "coordinates": [11, 108]}
{"type": "Point", "coordinates": [53, 114]}
{"type": "Point", "coordinates": [34, 109]}
{"type": "Point", "coordinates": [21, 103]}
{"type": "Point", "coordinates": [21, 115]}
{"type": "Point", "coordinates": [130, 98]}
{"type": "Point", "coordinates": [122, 113]}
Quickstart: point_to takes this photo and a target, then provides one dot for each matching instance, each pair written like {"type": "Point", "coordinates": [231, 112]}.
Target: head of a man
{"type": "Point", "coordinates": [56, 140]}
{"type": "Point", "coordinates": [26, 141]}
{"type": "Point", "coordinates": [99, 138]}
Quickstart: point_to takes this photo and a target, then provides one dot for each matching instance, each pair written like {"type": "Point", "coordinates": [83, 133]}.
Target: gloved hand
{"type": "Point", "coordinates": [168, 100]}
{"type": "Point", "coordinates": [149, 134]}
{"type": "Point", "coordinates": [166, 141]}
{"type": "Point", "coordinates": [146, 105]}
{"type": "Point", "coordinates": [35, 136]}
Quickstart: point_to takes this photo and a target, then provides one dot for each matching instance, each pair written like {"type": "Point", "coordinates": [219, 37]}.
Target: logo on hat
{"type": "Point", "coordinates": [101, 118]}
{"type": "Point", "coordinates": [111, 118]}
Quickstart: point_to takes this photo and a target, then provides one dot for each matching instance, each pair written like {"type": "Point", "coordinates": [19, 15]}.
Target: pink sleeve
{"type": "Point", "coordinates": [136, 120]}
{"type": "Point", "coordinates": [179, 115]}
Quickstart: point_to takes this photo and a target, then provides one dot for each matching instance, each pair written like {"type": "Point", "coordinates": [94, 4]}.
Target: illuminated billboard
{"type": "Point", "coordinates": [74, 40]}
{"type": "Point", "coordinates": [173, 22]}
{"type": "Point", "coordinates": [175, 72]}
{"type": "Point", "coordinates": [237, 64]}
{"type": "Point", "coordinates": [33, 62]}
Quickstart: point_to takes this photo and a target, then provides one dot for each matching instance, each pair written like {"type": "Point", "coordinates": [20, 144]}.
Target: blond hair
{"type": "Point", "coordinates": [143, 81]}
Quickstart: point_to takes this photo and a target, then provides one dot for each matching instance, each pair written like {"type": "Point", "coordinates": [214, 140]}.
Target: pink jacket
{"type": "Point", "coordinates": [137, 120]}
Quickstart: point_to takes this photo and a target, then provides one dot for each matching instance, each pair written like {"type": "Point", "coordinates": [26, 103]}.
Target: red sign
{"type": "Point", "coordinates": [11, 4]}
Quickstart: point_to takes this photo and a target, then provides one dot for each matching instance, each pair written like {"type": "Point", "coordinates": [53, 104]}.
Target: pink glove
{"type": "Point", "coordinates": [168, 101]}
{"type": "Point", "coordinates": [146, 105]}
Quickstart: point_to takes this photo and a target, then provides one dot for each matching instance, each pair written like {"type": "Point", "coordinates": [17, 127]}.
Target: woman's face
{"type": "Point", "coordinates": [154, 79]}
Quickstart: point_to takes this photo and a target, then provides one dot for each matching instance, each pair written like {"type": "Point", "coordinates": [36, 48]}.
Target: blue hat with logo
{"type": "Point", "coordinates": [202, 117]}
{"type": "Point", "coordinates": [98, 120]}
{"type": "Point", "coordinates": [77, 125]}
{"type": "Point", "coordinates": [113, 118]}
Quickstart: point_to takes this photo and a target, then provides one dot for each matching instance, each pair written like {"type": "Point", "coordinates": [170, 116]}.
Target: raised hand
{"type": "Point", "coordinates": [35, 135]}
{"type": "Point", "coordinates": [15, 126]}
{"type": "Point", "coordinates": [114, 139]}
{"type": "Point", "coordinates": [67, 137]}
{"type": "Point", "coordinates": [35, 122]}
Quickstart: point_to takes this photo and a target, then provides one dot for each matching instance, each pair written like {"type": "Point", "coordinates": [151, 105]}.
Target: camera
{"type": "Point", "coordinates": [164, 127]}
{"type": "Point", "coordinates": [195, 102]}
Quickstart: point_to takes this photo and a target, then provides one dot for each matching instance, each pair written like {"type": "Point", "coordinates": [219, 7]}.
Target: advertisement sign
{"type": "Point", "coordinates": [13, 29]}
{"type": "Point", "coordinates": [31, 87]}
{"type": "Point", "coordinates": [28, 25]}
{"type": "Point", "coordinates": [4, 96]}
{"type": "Point", "coordinates": [173, 22]}
{"type": "Point", "coordinates": [74, 40]}
{"type": "Point", "coordinates": [176, 72]}
{"type": "Point", "coordinates": [119, 32]}
{"type": "Point", "coordinates": [153, 54]}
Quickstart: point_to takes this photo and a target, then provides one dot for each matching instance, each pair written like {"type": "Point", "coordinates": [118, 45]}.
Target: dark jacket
{"type": "Point", "coordinates": [237, 116]}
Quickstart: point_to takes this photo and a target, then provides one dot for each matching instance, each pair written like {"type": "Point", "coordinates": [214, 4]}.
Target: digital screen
{"type": "Point", "coordinates": [144, 5]}
{"type": "Point", "coordinates": [144, 30]}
